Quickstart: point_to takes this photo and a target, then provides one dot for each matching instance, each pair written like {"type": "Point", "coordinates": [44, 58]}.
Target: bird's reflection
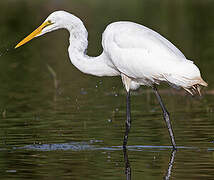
{"type": "Point", "coordinates": [128, 165]}
{"type": "Point", "coordinates": [169, 170]}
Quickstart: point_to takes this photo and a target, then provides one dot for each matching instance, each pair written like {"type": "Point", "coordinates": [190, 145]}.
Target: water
{"type": "Point", "coordinates": [57, 123]}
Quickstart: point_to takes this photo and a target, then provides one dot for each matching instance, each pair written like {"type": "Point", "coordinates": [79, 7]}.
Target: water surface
{"type": "Point", "coordinates": [57, 123]}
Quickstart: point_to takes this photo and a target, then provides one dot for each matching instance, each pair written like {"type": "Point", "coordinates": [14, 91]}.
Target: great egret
{"type": "Point", "coordinates": [138, 54]}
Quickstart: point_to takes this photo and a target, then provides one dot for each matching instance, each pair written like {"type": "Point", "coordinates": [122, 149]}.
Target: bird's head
{"type": "Point", "coordinates": [54, 21]}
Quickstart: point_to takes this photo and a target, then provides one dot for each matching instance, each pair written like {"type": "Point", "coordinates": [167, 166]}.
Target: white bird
{"type": "Point", "coordinates": [138, 54]}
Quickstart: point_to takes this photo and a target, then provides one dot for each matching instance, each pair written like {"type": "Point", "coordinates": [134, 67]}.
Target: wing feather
{"type": "Point", "coordinates": [141, 53]}
{"type": "Point", "coordinates": [132, 35]}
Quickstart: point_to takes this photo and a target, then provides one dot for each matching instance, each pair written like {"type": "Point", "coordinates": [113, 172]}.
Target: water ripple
{"type": "Point", "coordinates": [88, 146]}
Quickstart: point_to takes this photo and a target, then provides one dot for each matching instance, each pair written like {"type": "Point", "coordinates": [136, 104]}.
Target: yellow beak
{"type": "Point", "coordinates": [33, 34]}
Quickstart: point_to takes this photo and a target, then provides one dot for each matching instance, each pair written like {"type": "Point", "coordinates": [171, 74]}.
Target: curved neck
{"type": "Point", "coordinates": [98, 66]}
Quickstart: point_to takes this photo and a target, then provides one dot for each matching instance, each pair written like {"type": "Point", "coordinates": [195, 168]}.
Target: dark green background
{"type": "Point", "coordinates": [58, 123]}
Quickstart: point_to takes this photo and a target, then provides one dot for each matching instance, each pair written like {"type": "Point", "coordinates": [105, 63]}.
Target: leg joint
{"type": "Point", "coordinates": [166, 114]}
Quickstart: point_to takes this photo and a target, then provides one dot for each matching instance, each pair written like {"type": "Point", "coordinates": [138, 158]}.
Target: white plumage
{"type": "Point", "coordinates": [148, 58]}
{"type": "Point", "coordinates": [138, 54]}
{"type": "Point", "coordinates": [129, 49]}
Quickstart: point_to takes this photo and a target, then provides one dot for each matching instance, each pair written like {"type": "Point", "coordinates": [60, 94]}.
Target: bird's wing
{"type": "Point", "coordinates": [132, 35]}
{"type": "Point", "coordinates": [140, 52]}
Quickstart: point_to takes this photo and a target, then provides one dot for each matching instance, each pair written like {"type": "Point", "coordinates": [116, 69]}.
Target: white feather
{"type": "Point", "coordinates": [139, 54]}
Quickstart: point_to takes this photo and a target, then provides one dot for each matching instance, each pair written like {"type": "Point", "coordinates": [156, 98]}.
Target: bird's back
{"type": "Point", "coordinates": [147, 57]}
{"type": "Point", "coordinates": [133, 35]}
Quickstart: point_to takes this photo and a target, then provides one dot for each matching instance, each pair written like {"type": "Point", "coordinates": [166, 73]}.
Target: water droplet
{"type": "Point", "coordinates": [4, 52]}
{"type": "Point", "coordinates": [82, 91]}
{"type": "Point", "coordinates": [11, 171]}
{"type": "Point", "coordinates": [109, 120]}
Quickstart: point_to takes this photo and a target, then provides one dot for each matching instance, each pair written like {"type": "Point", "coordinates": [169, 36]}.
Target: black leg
{"type": "Point", "coordinates": [166, 117]}
{"type": "Point", "coordinates": [127, 164]}
{"type": "Point", "coordinates": [128, 119]}
{"type": "Point", "coordinates": [169, 170]}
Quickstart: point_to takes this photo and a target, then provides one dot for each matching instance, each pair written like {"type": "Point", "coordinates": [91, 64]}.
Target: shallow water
{"type": "Point", "coordinates": [57, 123]}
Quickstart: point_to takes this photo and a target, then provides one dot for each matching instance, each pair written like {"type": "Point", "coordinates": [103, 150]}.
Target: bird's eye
{"type": "Point", "coordinates": [47, 23]}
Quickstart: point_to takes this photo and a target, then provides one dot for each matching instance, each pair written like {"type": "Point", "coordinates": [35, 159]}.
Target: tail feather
{"type": "Point", "coordinates": [202, 82]}
{"type": "Point", "coordinates": [195, 88]}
